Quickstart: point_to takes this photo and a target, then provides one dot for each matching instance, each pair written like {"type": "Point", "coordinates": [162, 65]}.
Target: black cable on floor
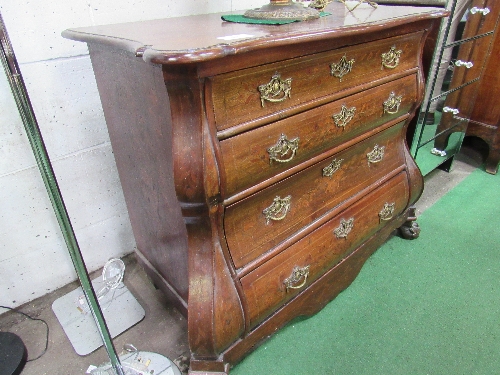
{"type": "Point", "coordinates": [41, 320]}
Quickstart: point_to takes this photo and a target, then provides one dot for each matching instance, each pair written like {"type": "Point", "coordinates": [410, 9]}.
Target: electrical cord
{"type": "Point", "coordinates": [41, 320]}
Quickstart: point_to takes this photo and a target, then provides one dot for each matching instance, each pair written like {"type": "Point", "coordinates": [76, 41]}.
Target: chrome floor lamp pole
{"type": "Point", "coordinates": [23, 103]}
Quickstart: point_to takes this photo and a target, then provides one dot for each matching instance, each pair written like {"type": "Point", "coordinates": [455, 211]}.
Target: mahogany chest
{"type": "Point", "coordinates": [261, 165]}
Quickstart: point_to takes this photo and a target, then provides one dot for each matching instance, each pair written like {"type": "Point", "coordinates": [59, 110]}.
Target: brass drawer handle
{"type": "Point", "coordinates": [387, 212]}
{"type": "Point", "coordinates": [467, 64]}
{"type": "Point", "coordinates": [284, 150]}
{"type": "Point", "coordinates": [391, 59]}
{"type": "Point", "coordinates": [344, 228]}
{"type": "Point", "coordinates": [298, 273]}
{"type": "Point", "coordinates": [277, 90]}
{"type": "Point", "coordinates": [343, 67]}
{"type": "Point", "coordinates": [345, 115]}
{"type": "Point", "coordinates": [278, 209]}
{"type": "Point", "coordinates": [484, 11]}
{"type": "Point", "coordinates": [333, 167]}
{"type": "Point", "coordinates": [391, 105]}
{"type": "Point", "coordinates": [376, 155]}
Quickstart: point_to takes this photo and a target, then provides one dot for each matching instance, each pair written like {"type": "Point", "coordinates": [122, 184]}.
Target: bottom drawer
{"type": "Point", "coordinates": [275, 282]}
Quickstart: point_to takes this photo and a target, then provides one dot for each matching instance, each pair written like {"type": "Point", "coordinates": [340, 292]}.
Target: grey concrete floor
{"type": "Point", "coordinates": [164, 329]}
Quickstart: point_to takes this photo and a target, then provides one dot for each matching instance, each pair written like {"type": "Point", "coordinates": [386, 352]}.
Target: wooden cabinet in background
{"type": "Point", "coordinates": [485, 118]}
{"type": "Point", "coordinates": [463, 96]}
{"type": "Point", "coordinates": [261, 165]}
{"type": "Point", "coordinates": [453, 98]}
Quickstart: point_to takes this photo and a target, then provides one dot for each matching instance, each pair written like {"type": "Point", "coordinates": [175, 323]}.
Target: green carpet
{"type": "Point", "coordinates": [428, 306]}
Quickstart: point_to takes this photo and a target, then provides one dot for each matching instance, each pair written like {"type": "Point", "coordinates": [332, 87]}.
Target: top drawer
{"type": "Point", "coordinates": [253, 93]}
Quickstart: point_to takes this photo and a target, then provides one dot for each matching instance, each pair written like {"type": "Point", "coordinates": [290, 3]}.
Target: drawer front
{"type": "Point", "coordinates": [254, 156]}
{"type": "Point", "coordinates": [277, 281]}
{"type": "Point", "coordinates": [258, 223]}
{"type": "Point", "coordinates": [469, 62]}
{"type": "Point", "coordinates": [257, 92]}
{"type": "Point", "coordinates": [460, 103]}
{"type": "Point", "coordinates": [458, 107]}
{"type": "Point", "coordinates": [481, 17]}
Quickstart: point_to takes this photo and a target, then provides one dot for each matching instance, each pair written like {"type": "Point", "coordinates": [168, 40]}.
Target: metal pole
{"type": "Point", "coordinates": [23, 103]}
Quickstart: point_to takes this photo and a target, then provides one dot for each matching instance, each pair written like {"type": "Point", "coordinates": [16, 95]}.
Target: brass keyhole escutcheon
{"type": "Point", "coordinates": [333, 167]}
{"type": "Point", "coordinates": [341, 68]}
{"type": "Point", "coordinates": [344, 228]}
{"type": "Point", "coordinates": [345, 115]}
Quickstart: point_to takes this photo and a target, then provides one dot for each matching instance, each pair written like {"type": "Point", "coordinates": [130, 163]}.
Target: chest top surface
{"type": "Point", "coordinates": [206, 37]}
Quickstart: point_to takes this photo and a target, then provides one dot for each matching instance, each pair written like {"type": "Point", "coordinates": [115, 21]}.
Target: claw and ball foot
{"type": "Point", "coordinates": [410, 230]}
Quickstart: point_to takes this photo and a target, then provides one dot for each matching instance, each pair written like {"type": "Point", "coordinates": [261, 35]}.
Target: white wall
{"type": "Point", "coordinates": [33, 257]}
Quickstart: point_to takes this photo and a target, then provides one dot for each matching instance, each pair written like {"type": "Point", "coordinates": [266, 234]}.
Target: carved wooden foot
{"type": "Point", "coordinates": [410, 230]}
{"type": "Point", "coordinates": [492, 161]}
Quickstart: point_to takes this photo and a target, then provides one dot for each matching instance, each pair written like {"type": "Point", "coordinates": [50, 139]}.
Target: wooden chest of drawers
{"type": "Point", "coordinates": [261, 165]}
